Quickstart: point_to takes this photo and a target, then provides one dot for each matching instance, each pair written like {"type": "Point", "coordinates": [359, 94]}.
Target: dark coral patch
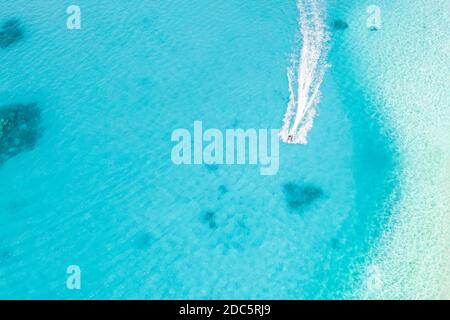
{"type": "Point", "coordinates": [209, 217]}
{"type": "Point", "coordinates": [144, 241]}
{"type": "Point", "coordinates": [339, 24]}
{"type": "Point", "coordinates": [5, 254]}
{"type": "Point", "coordinates": [10, 33]}
{"type": "Point", "coordinates": [335, 243]}
{"type": "Point", "coordinates": [301, 197]}
{"type": "Point", "coordinates": [19, 129]}
{"type": "Point", "coordinates": [223, 189]}
{"type": "Point", "coordinates": [212, 167]}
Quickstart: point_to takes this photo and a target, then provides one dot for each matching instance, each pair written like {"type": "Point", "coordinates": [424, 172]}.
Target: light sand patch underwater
{"type": "Point", "coordinates": [407, 64]}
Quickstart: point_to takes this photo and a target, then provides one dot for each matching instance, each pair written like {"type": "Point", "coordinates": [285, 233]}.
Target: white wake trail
{"type": "Point", "coordinates": [306, 74]}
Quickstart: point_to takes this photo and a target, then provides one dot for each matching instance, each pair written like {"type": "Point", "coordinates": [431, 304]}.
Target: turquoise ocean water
{"type": "Point", "coordinates": [99, 189]}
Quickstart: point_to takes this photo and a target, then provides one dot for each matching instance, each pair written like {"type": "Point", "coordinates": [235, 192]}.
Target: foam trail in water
{"type": "Point", "coordinates": [305, 74]}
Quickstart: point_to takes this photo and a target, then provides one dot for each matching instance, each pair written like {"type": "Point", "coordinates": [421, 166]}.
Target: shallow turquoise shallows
{"type": "Point", "coordinates": [99, 190]}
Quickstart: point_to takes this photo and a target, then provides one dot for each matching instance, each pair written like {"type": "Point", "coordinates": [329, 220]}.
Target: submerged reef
{"type": "Point", "coordinates": [222, 189]}
{"type": "Point", "coordinates": [301, 197]}
{"type": "Point", "coordinates": [144, 240]}
{"type": "Point", "coordinates": [5, 256]}
{"type": "Point", "coordinates": [209, 217]}
{"type": "Point", "coordinates": [339, 24]}
{"type": "Point", "coordinates": [212, 167]}
{"type": "Point", "coordinates": [19, 129]}
{"type": "Point", "coordinates": [10, 32]}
